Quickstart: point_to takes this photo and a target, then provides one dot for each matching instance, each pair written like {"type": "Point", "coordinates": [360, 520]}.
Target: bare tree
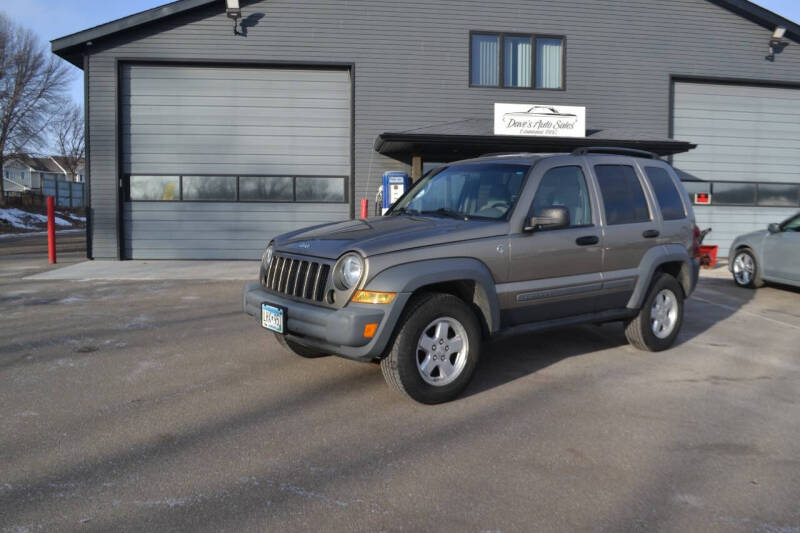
{"type": "Point", "coordinates": [33, 83]}
{"type": "Point", "coordinates": [68, 133]}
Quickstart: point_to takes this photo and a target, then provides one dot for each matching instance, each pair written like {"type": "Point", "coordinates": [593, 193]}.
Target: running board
{"type": "Point", "coordinates": [588, 318]}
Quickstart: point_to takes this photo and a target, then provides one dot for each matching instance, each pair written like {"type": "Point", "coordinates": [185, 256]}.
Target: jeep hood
{"type": "Point", "coordinates": [380, 235]}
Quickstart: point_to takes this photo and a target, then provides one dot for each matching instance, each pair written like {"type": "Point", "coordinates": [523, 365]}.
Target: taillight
{"type": "Point", "coordinates": [696, 242]}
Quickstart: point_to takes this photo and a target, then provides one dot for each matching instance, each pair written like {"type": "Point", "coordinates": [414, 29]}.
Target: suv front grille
{"type": "Point", "coordinates": [297, 277]}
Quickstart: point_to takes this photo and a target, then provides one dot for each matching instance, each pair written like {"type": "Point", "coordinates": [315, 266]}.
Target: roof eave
{"type": "Point", "coordinates": [401, 145]}
{"type": "Point", "coordinates": [70, 47]}
{"type": "Point", "coordinates": [761, 16]}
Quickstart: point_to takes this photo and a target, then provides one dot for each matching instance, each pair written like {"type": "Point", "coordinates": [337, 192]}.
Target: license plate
{"type": "Point", "coordinates": [272, 317]}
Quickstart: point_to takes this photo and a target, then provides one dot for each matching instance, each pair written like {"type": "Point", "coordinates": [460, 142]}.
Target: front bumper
{"type": "Point", "coordinates": [336, 331]}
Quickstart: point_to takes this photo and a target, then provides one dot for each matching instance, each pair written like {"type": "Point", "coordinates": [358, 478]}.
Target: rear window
{"type": "Point", "coordinates": [669, 199]}
{"type": "Point", "coordinates": [623, 197]}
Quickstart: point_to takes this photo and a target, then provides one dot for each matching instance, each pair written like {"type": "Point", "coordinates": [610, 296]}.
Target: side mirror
{"type": "Point", "coordinates": [774, 228]}
{"type": "Point", "coordinates": [553, 217]}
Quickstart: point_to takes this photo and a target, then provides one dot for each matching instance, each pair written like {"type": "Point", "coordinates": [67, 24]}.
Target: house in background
{"type": "Point", "coordinates": [23, 172]}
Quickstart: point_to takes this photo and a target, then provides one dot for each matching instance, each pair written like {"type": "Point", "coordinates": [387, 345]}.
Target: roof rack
{"type": "Point", "coordinates": [611, 150]}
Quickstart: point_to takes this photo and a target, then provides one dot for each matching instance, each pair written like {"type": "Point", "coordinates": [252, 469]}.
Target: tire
{"type": "Point", "coordinates": [299, 349]}
{"type": "Point", "coordinates": [656, 327]}
{"type": "Point", "coordinates": [412, 370]}
{"type": "Point", "coordinates": [745, 270]}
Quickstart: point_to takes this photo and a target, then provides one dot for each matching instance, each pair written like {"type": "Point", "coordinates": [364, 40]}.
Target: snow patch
{"type": "Point", "coordinates": [24, 220]}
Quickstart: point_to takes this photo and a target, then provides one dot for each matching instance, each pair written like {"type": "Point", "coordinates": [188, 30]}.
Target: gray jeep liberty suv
{"type": "Point", "coordinates": [495, 245]}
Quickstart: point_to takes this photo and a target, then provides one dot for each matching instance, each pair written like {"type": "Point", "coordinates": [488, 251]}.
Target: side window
{"type": "Point", "coordinates": [623, 197]}
{"type": "Point", "coordinates": [669, 199]}
{"type": "Point", "coordinates": [564, 186]}
{"type": "Point", "coordinates": [792, 225]}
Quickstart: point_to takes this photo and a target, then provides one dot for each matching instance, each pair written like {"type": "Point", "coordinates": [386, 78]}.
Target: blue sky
{"type": "Point", "coordinates": [56, 18]}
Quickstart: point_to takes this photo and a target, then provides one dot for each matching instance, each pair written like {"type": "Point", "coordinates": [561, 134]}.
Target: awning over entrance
{"type": "Point", "coordinates": [474, 137]}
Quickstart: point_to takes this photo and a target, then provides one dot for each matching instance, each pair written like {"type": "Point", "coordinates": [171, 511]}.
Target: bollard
{"type": "Point", "coordinates": [364, 208]}
{"type": "Point", "coordinates": [51, 230]}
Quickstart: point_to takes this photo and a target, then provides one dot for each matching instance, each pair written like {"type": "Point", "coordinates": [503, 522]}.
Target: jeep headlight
{"type": "Point", "coordinates": [267, 257]}
{"type": "Point", "coordinates": [349, 270]}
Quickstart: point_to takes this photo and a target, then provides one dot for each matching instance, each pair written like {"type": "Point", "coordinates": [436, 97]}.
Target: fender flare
{"type": "Point", "coordinates": [409, 277]}
{"type": "Point", "coordinates": [657, 256]}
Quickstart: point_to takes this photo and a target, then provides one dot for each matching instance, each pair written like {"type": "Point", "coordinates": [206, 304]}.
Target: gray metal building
{"type": "Point", "coordinates": [206, 137]}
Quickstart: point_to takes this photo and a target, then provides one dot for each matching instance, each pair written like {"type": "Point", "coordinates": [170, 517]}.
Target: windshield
{"type": "Point", "coordinates": [480, 190]}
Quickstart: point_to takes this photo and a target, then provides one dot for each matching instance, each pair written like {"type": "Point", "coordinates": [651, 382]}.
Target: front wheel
{"type": "Point", "coordinates": [436, 349]}
{"type": "Point", "coordinates": [745, 270]}
{"type": "Point", "coordinates": [659, 321]}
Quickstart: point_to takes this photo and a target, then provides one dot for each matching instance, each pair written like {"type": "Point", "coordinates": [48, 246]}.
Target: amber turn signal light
{"type": "Point", "coordinates": [370, 329]}
{"type": "Point", "coordinates": [372, 297]}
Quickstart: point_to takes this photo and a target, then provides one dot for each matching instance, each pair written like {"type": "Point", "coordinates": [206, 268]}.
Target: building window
{"type": "Point", "coordinates": [485, 64]}
{"type": "Point", "coordinates": [320, 189]}
{"type": "Point", "coordinates": [549, 62]}
{"type": "Point", "coordinates": [516, 61]}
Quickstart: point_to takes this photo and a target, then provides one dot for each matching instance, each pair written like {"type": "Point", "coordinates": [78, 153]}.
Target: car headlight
{"type": "Point", "coordinates": [267, 257]}
{"type": "Point", "coordinates": [349, 270]}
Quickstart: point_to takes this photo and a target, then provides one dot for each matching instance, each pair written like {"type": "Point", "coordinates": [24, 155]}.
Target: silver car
{"type": "Point", "coordinates": [768, 255]}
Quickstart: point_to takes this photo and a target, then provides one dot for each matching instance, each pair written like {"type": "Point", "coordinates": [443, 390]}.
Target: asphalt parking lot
{"type": "Point", "coordinates": [157, 405]}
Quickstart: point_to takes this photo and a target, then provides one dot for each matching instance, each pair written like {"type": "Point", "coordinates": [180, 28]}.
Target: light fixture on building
{"type": "Point", "coordinates": [234, 12]}
{"type": "Point", "coordinates": [776, 43]}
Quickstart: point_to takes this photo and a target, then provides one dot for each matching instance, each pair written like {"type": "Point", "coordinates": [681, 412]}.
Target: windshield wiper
{"type": "Point", "coordinates": [447, 213]}
{"type": "Point", "coordinates": [404, 211]}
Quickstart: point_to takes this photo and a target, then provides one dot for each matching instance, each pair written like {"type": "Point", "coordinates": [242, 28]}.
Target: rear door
{"type": "Point", "coordinates": [630, 226]}
{"type": "Point", "coordinates": [675, 224]}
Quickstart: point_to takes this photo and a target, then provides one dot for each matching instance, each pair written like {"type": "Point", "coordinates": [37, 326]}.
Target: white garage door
{"type": "Point", "coordinates": [748, 148]}
{"type": "Point", "coordinates": [218, 160]}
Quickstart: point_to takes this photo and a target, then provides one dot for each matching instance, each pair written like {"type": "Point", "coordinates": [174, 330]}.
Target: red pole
{"type": "Point", "coordinates": [364, 208]}
{"type": "Point", "coordinates": [51, 229]}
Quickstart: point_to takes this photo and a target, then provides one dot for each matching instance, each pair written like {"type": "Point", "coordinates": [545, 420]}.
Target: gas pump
{"type": "Point", "coordinates": [395, 184]}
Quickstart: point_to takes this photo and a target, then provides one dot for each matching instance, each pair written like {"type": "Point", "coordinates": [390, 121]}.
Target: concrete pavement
{"type": "Point", "coordinates": [156, 405]}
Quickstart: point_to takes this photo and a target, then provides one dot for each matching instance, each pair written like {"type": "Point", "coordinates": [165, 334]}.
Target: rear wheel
{"type": "Point", "coordinates": [436, 349]}
{"type": "Point", "coordinates": [299, 349]}
{"type": "Point", "coordinates": [745, 270]}
{"type": "Point", "coordinates": [659, 321]}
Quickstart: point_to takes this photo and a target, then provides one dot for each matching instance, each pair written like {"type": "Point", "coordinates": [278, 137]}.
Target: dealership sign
{"type": "Point", "coordinates": [539, 120]}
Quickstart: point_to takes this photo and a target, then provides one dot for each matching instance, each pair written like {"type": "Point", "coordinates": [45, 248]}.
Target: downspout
{"type": "Point", "coordinates": [87, 187]}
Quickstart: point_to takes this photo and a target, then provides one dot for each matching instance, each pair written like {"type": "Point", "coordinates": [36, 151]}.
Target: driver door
{"type": "Point", "coordinates": [782, 252]}
{"type": "Point", "coordinates": [555, 273]}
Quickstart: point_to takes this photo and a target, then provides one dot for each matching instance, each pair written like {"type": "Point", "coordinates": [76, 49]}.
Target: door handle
{"type": "Point", "coordinates": [587, 240]}
{"type": "Point", "coordinates": [650, 234]}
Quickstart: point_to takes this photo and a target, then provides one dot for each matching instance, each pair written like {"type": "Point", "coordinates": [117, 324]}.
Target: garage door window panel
{"type": "Point", "coordinates": [778, 195]}
{"type": "Point", "coordinates": [266, 189]}
{"type": "Point", "coordinates": [317, 189]}
{"type": "Point", "coordinates": [154, 188]}
{"type": "Point", "coordinates": [733, 193]}
{"type": "Point", "coordinates": [209, 188]}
